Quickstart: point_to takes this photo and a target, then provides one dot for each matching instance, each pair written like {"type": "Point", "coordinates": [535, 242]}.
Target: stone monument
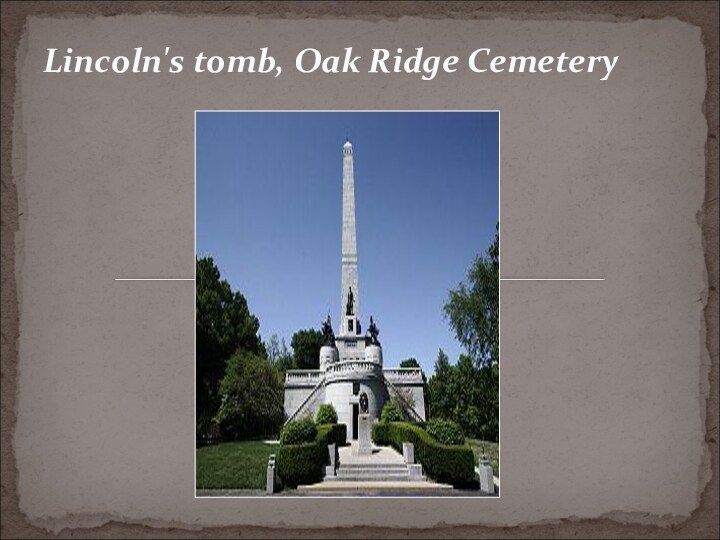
{"type": "Point", "coordinates": [364, 428]}
{"type": "Point", "coordinates": [351, 361]}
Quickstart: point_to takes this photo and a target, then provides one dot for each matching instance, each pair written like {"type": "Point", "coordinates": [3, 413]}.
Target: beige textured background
{"type": "Point", "coordinates": [603, 384]}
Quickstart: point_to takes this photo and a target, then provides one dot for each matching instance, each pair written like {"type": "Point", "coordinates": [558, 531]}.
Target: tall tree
{"type": "Point", "coordinates": [409, 363]}
{"type": "Point", "coordinates": [251, 397]}
{"type": "Point", "coordinates": [223, 325]}
{"type": "Point", "coordinates": [278, 354]}
{"type": "Point", "coordinates": [306, 348]}
{"type": "Point", "coordinates": [440, 389]}
{"type": "Point", "coordinates": [472, 308]}
{"type": "Point", "coordinates": [467, 396]}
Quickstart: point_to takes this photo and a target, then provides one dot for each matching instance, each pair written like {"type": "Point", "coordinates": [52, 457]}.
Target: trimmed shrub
{"type": "Point", "coordinates": [301, 463]}
{"type": "Point", "coordinates": [326, 414]}
{"type": "Point", "coordinates": [445, 431]}
{"type": "Point", "coordinates": [380, 433]}
{"type": "Point", "coordinates": [450, 464]}
{"type": "Point", "coordinates": [337, 434]}
{"type": "Point", "coordinates": [392, 412]}
{"type": "Point", "coordinates": [299, 431]}
{"type": "Point", "coordinates": [305, 463]}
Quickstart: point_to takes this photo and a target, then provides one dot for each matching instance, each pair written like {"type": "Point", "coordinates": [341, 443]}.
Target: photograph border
{"type": "Point", "coordinates": [499, 221]}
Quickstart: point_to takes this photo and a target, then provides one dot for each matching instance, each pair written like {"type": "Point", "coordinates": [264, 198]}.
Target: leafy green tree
{"type": "Point", "coordinates": [467, 394]}
{"type": "Point", "coordinates": [472, 308]}
{"type": "Point", "coordinates": [278, 354]}
{"type": "Point", "coordinates": [488, 382]}
{"type": "Point", "coordinates": [440, 389]}
{"type": "Point", "coordinates": [306, 348]}
{"type": "Point", "coordinates": [251, 397]}
{"type": "Point", "coordinates": [223, 325]}
{"type": "Point", "coordinates": [409, 363]}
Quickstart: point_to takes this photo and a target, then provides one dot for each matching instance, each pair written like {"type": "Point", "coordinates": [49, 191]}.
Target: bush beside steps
{"type": "Point", "coordinates": [303, 461]}
{"type": "Point", "coordinates": [447, 464]}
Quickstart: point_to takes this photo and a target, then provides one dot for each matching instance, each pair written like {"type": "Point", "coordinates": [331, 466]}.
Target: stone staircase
{"type": "Point", "coordinates": [373, 472]}
{"type": "Point", "coordinates": [383, 471]}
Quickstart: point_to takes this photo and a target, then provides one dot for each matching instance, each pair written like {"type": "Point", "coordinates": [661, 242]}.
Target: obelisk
{"type": "Point", "coordinates": [349, 285]}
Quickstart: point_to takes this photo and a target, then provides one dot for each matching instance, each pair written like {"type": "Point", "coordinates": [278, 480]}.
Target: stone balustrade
{"type": "Point", "coordinates": [303, 377]}
{"type": "Point", "coordinates": [354, 368]}
{"type": "Point", "coordinates": [403, 375]}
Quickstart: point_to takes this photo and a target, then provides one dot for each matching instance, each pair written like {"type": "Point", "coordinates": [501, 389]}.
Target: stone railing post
{"type": "Point", "coordinates": [330, 469]}
{"type": "Point", "coordinates": [408, 453]}
{"type": "Point", "coordinates": [487, 483]}
{"type": "Point", "coordinates": [270, 486]}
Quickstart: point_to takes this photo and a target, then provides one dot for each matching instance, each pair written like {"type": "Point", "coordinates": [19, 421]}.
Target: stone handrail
{"type": "Point", "coordinates": [305, 401]}
{"type": "Point", "coordinates": [303, 376]}
{"type": "Point", "coordinates": [416, 416]}
{"type": "Point", "coordinates": [403, 375]}
{"type": "Point", "coordinates": [359, 367]}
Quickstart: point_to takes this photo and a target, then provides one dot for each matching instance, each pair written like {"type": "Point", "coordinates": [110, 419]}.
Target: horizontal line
{"type": "Point", "coordinates": [344, 110]}
{"type": "Point", "coordinates": [154, 279]}
{"type": "Point", "coordinates": [552, 279]}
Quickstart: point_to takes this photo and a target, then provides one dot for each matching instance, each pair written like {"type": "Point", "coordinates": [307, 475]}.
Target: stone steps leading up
{"type": "Point", "coordinates": [372, 472]}
{"type": "Point", "coordinates": [334, 487]}
{"type": "Point", "coordinates": [374, 468]}
{"type": "Point", "coordinates": [372, 478]}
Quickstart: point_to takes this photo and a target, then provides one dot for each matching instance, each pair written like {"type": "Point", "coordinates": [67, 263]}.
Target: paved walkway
{"type": "Point", "coordinates": [381, 455]}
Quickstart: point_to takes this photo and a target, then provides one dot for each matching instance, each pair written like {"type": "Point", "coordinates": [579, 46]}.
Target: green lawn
{"type": "Point", "coordinates": [491, 449]}
{"type": "Point", "coordinates": [233, 465]}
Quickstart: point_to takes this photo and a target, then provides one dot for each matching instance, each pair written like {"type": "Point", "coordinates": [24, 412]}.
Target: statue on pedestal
{"type": "Point", "coordinates": [363, 403]}
{"type": "Point", "coordinates": [327, 333]}
{"type": "Point", "coordinates": [350, 302]}
{"type": "Point", "coordinates": [373, 331]}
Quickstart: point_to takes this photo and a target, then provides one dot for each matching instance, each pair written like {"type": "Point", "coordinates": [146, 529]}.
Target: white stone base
{"type": "Point", "coordinates": [487, 483]}
{"type": "Point", "coordinates": [415, 471]}
{"type": "Point", "coordinates": [408, 453]}
{"type": "Point", "coordinates": [364, 435]}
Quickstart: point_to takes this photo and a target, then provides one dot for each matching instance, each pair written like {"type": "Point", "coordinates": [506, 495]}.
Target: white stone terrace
{"type": "Point", "coordinates": [311, 377]}
{"type": "Point", "coordinates": [303, 377]}
{"type": "Point", "coordinates": [403, 375]}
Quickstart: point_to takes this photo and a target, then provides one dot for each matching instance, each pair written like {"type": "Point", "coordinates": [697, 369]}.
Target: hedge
{"type": "Point", "coordinates": [305, 463]}
{"type": "Point", "coordinates": [326, 414]}
{"type": "Point", "coordinates": [392, 412]}
{"type": "Point", "coordinates": [449, 464]}
{"type": "Point", "coordinates": [301, 463]}
{"type": "Point", "coordinates": [337, 434]}
{"type": "Point", "coordinates": [445, 431]}
{"type": "Point", "coordinates": [299, 431]}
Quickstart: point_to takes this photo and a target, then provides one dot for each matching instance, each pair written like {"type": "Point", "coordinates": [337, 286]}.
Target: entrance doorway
{"type": "Point", "coordinates": [356, 412]}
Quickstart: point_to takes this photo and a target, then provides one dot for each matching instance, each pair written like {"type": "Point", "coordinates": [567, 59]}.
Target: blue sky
{"type": "Point", "coordinates": [269, 194]}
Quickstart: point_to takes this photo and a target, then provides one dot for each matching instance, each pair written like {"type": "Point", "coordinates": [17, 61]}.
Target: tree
{"type": "Point", "coordinates": [306, 348]}
{"type": "Point", "coordinates": [251, 397]}
{"type": "Point", "coordinates": [468, 398]}
{"type": "Point", "coordinates": [440, 389]}
{"type": "Point", "coordinates": [223, 325]}
{"type": "Point", "coordinates": [472, 308]}
{"type": "Point", "coordinates": [278, 354]}
{"type": "Point", "coordinates": [466, 394]}
{"type": "Point", "coordinates": [409, 363]}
